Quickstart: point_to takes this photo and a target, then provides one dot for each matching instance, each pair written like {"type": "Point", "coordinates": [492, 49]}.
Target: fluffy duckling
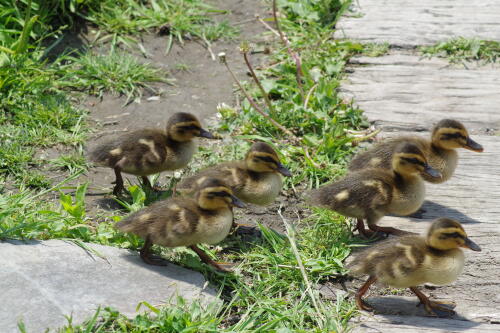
{"type": "Point", "coordinates": [440, 152]}
{"type": "Point", "coordinates": [373, 193]}
{"type": "Point", "coordinates": [257, 179]}
{"type": "Point", "coordinates": [410, 261]}
{"type": "Point", "coordinates": [148, 151]}
{"type": "Point", "coordinates": [185, 221]}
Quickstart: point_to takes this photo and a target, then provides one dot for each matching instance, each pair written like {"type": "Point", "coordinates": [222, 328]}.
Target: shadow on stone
{"type": "Point", "coordinates": [404, 309]}
{"type": "Point", "coordinates": [435, 210]}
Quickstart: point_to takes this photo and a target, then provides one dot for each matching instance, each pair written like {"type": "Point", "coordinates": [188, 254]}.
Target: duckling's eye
{"type": "Point", "coordinates": [266, 159]}
{"type": "Point", "coordinates": [452, 136]}
{"type": "Point", "coordinates": [189, 127]}
{"type": "Point", "coordinates": [414, 161]}
{"type": "Point", "coordinates": [220, 194]}
{"type": "Point", "coordinates": [451, 235]}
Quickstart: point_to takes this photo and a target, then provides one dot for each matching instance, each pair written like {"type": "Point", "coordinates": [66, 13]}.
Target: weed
{"type": "Point", "coordinates": [461, 49]}
{"type": "Point", "coordinates": [115, 72]}
{"type": "Point", "coordinates": [33, 114]}
{"type": "Point", "coordinates": [73, 163]}
{"type": "Point", "coordinates": [177, 18]}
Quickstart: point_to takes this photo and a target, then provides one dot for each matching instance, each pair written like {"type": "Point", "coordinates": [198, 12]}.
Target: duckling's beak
{"type": "Point", "coordinates": [237, 202]}
{"type": "Point", "coordinates": [471, 245]}
{"type": "Point", "coordinates": [432, 172]}
{"type": "Point", "coordinates": [473, 145]}
{"type": "Point", "coordinates": [284, 171]}
{"type": "Point", "coordinates": [205, 134]}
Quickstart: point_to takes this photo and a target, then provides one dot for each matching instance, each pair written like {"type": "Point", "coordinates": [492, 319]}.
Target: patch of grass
{"type": "Point", "coordinates": [116, 72]}
{"type": "Point", "coordinates": [33, 114]}
{"type": "Point", "coordinates": [179, 316]}
{"type": "Point", "coordinates": [73, 163]}
{"type": "Point", "coordinates": [375, 49]}
{"type": "Point", "coordinates": [461, 49]}
{"type": "Point", "coordinates": [24, 215]}
{"type": "Point", "coordinates": [119, 20]}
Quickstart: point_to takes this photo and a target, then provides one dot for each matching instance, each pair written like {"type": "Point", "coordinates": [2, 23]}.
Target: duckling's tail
{"type": "Point", "coordinates": [127, 224]}
{"type": "Point", "coordinates": [101, 155]}
{"type": "Point", "coordinates": [315, 198]}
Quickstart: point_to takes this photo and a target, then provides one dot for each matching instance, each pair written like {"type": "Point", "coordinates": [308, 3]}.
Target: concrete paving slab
{"type": "Point", "coordinates": [41, 281]}
{"type": "Point", "coordinates": [408, 23]}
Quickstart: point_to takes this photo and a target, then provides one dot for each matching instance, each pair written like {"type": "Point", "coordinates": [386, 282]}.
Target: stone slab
{"type": "Point", "coordinates": [406, 92]}
{"type": "Point", "coordinates": [408, 23]}
{"type": "Point", "coordinates": [40, 282]}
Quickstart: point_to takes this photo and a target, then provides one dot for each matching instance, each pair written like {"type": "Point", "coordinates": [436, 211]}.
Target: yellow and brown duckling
{"type": "Point", "coordinates": [207, 218]}
{"type": "Point", "coordinates": [148, 151]}
{"type": "Point", "coordinates": [373, 193]}
{"type": "Point", "coordinates": [447, 135]}
{"type": "Point", "coordinates": [257, 179]}
{"type": "Point", "coordinates": [410, 261]}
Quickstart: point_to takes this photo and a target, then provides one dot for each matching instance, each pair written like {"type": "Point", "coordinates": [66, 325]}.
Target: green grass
{"type": "Point", "coordinates": [119, 20]}
{"type": "Point", "coordinates": [33, 114]}
{"type": "Point", "coordinates": [115, 72]}
{"type": "Point", "coordinates": [461, 49]}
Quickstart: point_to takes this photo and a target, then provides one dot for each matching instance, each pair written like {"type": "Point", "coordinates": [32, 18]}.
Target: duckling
{"type": "Point", "coordinates": [149, 151]}
{"type": "Point", "coordinates": [373, 193]}
{"type": "Point", "coordinates": [410, 261]}
{"type": "Point", "coordinates": [257, 179]}
{"type": "Point", "coordinates": [447, 135]}
{"type": "Point", "coordinates": [185, 221]}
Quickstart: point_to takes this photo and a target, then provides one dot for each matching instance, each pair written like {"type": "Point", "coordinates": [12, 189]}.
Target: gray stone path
{"type": "Point", "coordinates": [40, 282]}
{"type": "Point", "coordinates": [409, 23]}
{"type": "Point", "coordinates": [405, 94]}
{"type": "Point", "coordinates": [402, 91]}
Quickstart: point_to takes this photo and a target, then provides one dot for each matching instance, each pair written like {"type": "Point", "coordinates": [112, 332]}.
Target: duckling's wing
{"type": "Point", "coordinates": [134, 150]}
{"type": "Point", "coordinates": [229, 172]}
{"type": "Point", "coordinates": [378, 156]}
{"type": "Point", "coordinates": [162, 219]}
{"type": "Point", "coordinates": [393, 260]}
{"type": "Point", "coordinates": [360, 191]}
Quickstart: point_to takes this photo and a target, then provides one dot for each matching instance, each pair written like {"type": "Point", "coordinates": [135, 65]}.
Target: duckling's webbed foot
{"type": "Point", "coordinates": [207, 260]}
{"type": "Point", "coordinates": [147, 256]}
{"type": "Point", "coordinates": [367, 234]}
{"type": "Point", "coordinates": [433, 308]}
{"type": "Point", "coordinates": [389, 230]}
{"type": "Point", "coordinates": [362, 305]}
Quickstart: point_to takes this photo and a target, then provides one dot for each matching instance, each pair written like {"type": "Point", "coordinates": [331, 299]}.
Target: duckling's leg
{"type": "Point", "coordinates": [207, 260]}
{"type": "Point", "coordinates": [372, 220]}
{"type": "Point", "coordinates": [388, 230]}
{"type": "Point", "coordinates": [367, 234]}
{"type": "Point", "coordinates": [433, 308]}
{"type": "Point", "coordinates": [362, 305]}
{"type": "Point", "coordinates": [146, 254]}
{"type": "Point", "coordinates": [119, 181]}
